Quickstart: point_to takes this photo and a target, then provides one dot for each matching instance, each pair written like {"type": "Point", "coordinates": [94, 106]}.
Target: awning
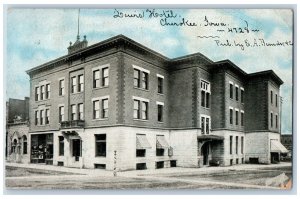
{"type": "Point", "coordinates": [142, 142]}
{"type": "Point", "coordinates": [209, 137]}
{"type": "Point", "coordinates": [161, 142]}
{"type": "Point", "coordinates": [276, 146]}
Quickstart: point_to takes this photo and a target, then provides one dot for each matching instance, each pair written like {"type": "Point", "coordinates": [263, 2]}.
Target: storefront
{"type": "Point", "coordinates": [42, 148]}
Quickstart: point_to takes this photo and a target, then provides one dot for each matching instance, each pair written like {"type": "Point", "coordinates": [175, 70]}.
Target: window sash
{"type": "Point", "coordinates": [236, 117]}
{"type": "Point", "coordinates": [47, 116]}
{"type": "Point", "coordinates": [207, 126]}
{"type": "Point", "coordinates": [41, 117]}
{"type": "Point", "coordinates": [231, 116]}
{"type": "Point", "coordinates": [96, 109]}
{"type": "Point", "coordinates": [104, 108]}
{"type": "Point", "coordinates": [80, 112]}
{"type": "Point", "coordinates": [37, 92]}
{"type": "Point", "coordinates": [47, 91]}
{"type": "Point", "coordinates": [136, 80]}
{"type": "Point", "coordinates": [61, 87]}
{"type": "Point", "coordinates": [36, 117]}
{"type": "Point", "coordinates": [74, 82]}
{"type": "Point", "coordinates": [202, 125]}
{"type": "Point", "coordinates": [144, 110]}
{"type": "Point", "coordinates": [159, 113]}
{"type": "Point", "coordinates": [160, 85]}
{"type": "Point", "coordinates": [42, 92]}
{"type": "Point", "coordinates": [242, 96]}
{"type": "Point", "coordinates": [203, 98]}
{"type": "Point", "coordinates": [80, 83]}
{"type": "Point", "coordinates": [207, 100]}
{"type": "Point", "coordinates": [61, 114]}
{"type": "Point", "coordinates": [144, 80]}
{"type": "Point", "coordinates": [242, 119]}
{"type": "Point", "coordinates": [136, 109]}
{"type": "Point", "coordinates": [236, 93]}
{"type": "Point", "coordinates": [231, 91]}
{"type": "Point", "coordinates": [73, 112]}
{"type": "Point", "coordinates": [105, 78]}
{"type": "Point", "coordinates": [96, 78]}
{"type": "Point", "coordinates": [100, 145]}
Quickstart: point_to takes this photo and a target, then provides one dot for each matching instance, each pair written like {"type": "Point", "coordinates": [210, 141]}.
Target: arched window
{"type": "Point", "coordinates": [24, 144]}
{"type": "Point", "coordinates": [13, 146]}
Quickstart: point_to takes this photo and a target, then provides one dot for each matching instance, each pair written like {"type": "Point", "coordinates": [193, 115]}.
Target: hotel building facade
{"type": "Point", "coordinates": [120, 105]}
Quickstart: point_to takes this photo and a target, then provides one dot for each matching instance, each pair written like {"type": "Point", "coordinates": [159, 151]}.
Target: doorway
{"type": "Point", "coordinates": [76, 146]}
{"type": "Point", "coordinates": [274, 158]}
{"type": "Point", "coordinates": [205, 153]}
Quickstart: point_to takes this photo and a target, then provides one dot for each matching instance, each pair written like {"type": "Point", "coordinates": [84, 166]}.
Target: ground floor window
{"type": "Point", "coordinates": [231, 162]}
{"type": "Point", "coordinates": [140, 152]}
{"type": "Point", "coordinates": [160, 164]}
{"type": "Point", "coordinates": [237, 161]}
{"type": "Point", "coordinates": [160, 152]}
{"type": "Point", "coordinates": [59, 163]}
{"type": "Point", "coordinates": [100, 145]}
{"type": "Point", "coordinates": [61, 145]}
{"type": "Point", "coordinates": [173, 163]}
{"type": "Point", "coordinates": [24, 144]}
{"type": "Point", "coordinates": [141, 166]}
{"type": "Point", "coordinates": [100, 166]}
{"type": "Point", "coordinates": [42, 148]}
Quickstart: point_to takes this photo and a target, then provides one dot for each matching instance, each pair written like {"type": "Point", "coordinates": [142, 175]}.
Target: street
{"type": "Point", "coordinates": [21, 176]}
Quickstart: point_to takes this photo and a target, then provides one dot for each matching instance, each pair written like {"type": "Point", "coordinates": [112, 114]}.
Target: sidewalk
{"type": "Point", "coordinates": [152, 172]}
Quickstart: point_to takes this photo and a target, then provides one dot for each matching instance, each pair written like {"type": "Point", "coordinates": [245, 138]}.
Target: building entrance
{"type": "Point", "coordinates": [205, 153]}
{"type": "Point", "coordinates": [76, 146]}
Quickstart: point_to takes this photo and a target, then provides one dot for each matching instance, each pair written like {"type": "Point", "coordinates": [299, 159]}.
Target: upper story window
{"type": "Point", "coordinates": [230, 115]}
{"type": "Point", "coordinates": [47, 91]}
{"type": "Point", "coordinates": [103, 103]}
{"type": "Point", "coordinates": [105, 78]}
{"type": "Point", "coordinates": [231, 90]}
{"type": "Point", "coordinates": [271, 97]}
{"type": "Point", "coordinates": [276, 100]}
{"type": "Point", "coordinates": [100, 143]}
{"type": "Point", "coordinates": [140, 108]}
{"type": "Point", "coordinates": [73, 112]}
{"type": "Point", "coordinates": [271, 119]}
{"type": "Point", "coordinates": [47, 118]}
{"type": "Point", "coordinates": [73, 84]}
{"type": "Point", "coordinates": [230, 144]}
{"type": "Point", "coordinates": [42, 92]}
{"type": "Point", "coordinates": [36, 117]}
{"type": "Point", "coordinates": [236, 92]}
{"type": "Point", "coordinates": [140, 77]}
{"type": "Point", "coordinates": [236, 116]}
{"type": "Point", "coordinates": [61, 113]}
{"type": "Point", "coordinates": [41, 117]}
{"type": "Point", "coordinates": [80, 83]}
{"type": "Point", "coordinates": [205, 94]}
{"type": "Point", "coordinates": [37, 93]}
{"type": "Point", "coordinates": [160, 111]}
{"type": "Point", "coordinates": [61, 87]}
{"type": "Point", "coordinates": [205, 124]}
{"type": "Point", "coordinates": [80, 111]}
{"type": "Point", "coordinates": [242, 118]}
{"type": "Point", "coordinates": [276, 121]}
{"type": "Point", "coordinates": [101, 76]}
{"type": "Point", "coordinates": [242, 95]}
{"type": "Point", "coordinates": [160, 83]}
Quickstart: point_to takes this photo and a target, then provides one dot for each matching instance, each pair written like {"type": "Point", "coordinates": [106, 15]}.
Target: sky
{"type": "Point", "coordinates": [35, 36]}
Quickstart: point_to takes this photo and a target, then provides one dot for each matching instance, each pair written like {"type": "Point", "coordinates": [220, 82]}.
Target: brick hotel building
{"type": "Point", "coordinates": [119, 100]}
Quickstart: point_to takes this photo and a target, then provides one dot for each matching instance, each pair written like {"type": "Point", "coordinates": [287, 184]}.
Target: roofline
{"type": "Point", "coordinates": [192, 56]}
{"type": "Point", "coordinates": [231, 64]}
{"type": "Point", "coordinates": [112, 39]}
{"type": "Point", "coordinates": [267, 72]}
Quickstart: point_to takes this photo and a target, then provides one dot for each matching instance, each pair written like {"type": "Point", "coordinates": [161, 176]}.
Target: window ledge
{"type": "Point", "coordinates": [77, 93]}
{"type": "Point", "coordinates": [141, 89]}
{"type": "Point", "coordinates": [100, 119]}
{"type": "Point", "coordinates": [141, 120]}
{"type": "Point", "coordinates": [101, 87]}
{"type": "Point", "coordinates": [162, 94]}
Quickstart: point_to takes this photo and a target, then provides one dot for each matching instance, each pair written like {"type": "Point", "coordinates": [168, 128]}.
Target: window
{"type": "Point", "coordinates": [231, 90]}
{"type": "Point", "coordinates": [140, 109]}
{"type": "Point", "coordinates": [231, 116]}
{"type": "Point", "coordinates": [276, 121]}
{"type": "Point", "coordinates": [36, 117]}
{"type": "Point", "coordinates": [73, 84]}
{"type": "Point", "coordinates": [42, 92]}
{"type": "Point", "coordinates": [242, 145]}
{"type": "Point", "coordinates": [237, 93]}
{"type": "Point", "coordinates": [205, 124]}
{"type": "Point", "coordinates": [73, 112]}
{"type": "Point", "coordinates": [160, 112]}
{"type": "Point", "coordinates": [230, 146]}
{"type": "Point", "coordinates": [202, 125]}
{"type": "Point", "coordinates": [61, 87]}
{"type": "Point", "coordinates": [47, 118]}
{"type": "Point", "coordinates": [136, 80]}
{"type": "Point", "coordinates": [104, 108]}
{"type": "Point", "coordinates": [140, 78]}
{"type": "Point", "coordinates": [160, 152]}
{"type": "Point", "coordinates": [105, 78]}
{"type": "Point", "coordinates": [96, 109]}
{"type": "Point", "coordinates": [96, 78]}
{"type": "Point", "coordinates": [242, 118]}
{"type": "Point", "coordinates": [61, 113]}
{"type": "Point", "coordinates": [141, 166]}
{"type": "Point", "coordinates": [271, 97]}
{"type": "Point", "coordinates": [160, 84]}
{"type": "Point", "coordinates": [140, 152]}
{"type": "Point", "coordinates": [80, 112]}
{"type": "Point", "coordinates": [205, 94]}
{"type": "Point", "coordinates": [271, 118]}
{"type": "Point", "coordinates": [144, 110]}
{"type": "Point", "coordinates": [100, 145]}
{"type": "Point", "coordinates": [144, 80]}
{"type": "Point", "coordinates": [160, 164]}
{"type": "Point", "coordinates": [136, 109]}
{"type": "Point", "coordinates": [242, 95]}
{"type": "Point", "coordinates": [24, 144]}
{"type": "Point", "coordinates": [80, 83]}
{"type": "Point", "coordinates": [276, 100]}
{"type": "Point", "coordinates": [236, 144]}
{"type": "Point", "coordinates": [236, 117]}
{"type": "Point", "coordinates": [37, 92]}
{"type": "Point", "coordinates": [47, 91]}
{"type": "Point", "coordinates": [41, 117]}
{"type": "Point", "coordinates": [61, 145]}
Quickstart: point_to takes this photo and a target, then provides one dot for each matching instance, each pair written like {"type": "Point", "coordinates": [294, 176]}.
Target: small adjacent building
{"type": "Point", "coordinates": [17, 128]}
{"type": "Point", "coordinates": [120, 105]}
